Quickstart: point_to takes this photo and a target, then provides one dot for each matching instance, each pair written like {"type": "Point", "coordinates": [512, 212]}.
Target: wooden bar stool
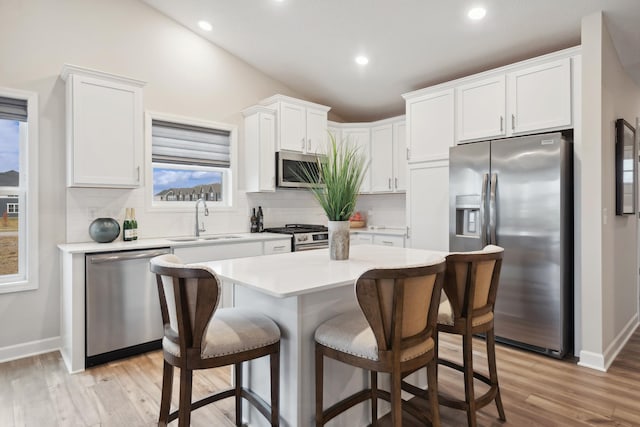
{"type": "Point", "coordinates": [471, 285]}
{"type": "Point", "coordinates": [394, 332]}
{"type": "Point", "coordinates": [197, 335]}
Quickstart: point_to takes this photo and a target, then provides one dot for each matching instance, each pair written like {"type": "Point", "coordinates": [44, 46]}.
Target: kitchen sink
{"type": "Point", "coordinates": [183, 239]}
{"type": "Point", "coordinates": [220, 237]}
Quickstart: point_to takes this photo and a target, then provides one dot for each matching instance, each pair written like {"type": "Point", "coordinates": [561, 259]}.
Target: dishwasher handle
{"type": "Point", "coordinates": [126, 256]}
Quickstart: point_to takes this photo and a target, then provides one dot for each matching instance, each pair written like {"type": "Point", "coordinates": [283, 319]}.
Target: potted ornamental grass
{"type": "Point", "coordinates": [338, 175]}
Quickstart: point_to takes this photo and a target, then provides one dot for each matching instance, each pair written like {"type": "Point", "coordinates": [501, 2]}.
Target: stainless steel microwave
{"type": "Point", "coordinates": [289, 169]}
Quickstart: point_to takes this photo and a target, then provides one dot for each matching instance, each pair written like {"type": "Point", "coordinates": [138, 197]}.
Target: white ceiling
{"type": "Point", "coordinates": [310, 45]}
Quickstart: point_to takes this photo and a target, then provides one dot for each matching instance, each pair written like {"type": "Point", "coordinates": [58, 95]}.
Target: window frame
{"type": "Point", "coordinates": [230, 186]}
{"type": "Point", "coordinates": [28, 248]}
{"type": "Point", "coordinates": [15, 210]}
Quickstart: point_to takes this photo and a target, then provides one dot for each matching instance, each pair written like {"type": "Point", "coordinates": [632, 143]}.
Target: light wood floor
{"type": "Point", "coordinates": [536, 391]}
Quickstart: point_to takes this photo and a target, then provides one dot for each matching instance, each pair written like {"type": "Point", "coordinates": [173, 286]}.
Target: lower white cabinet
{"type": "Point", "coordinates": [277, 246]}
{"type": "Point", "coordinates": [361, 239]}
{"type": "Point", "coordinates": [385, 240]}
{"type": "Point", "coordinates": [428, 206]}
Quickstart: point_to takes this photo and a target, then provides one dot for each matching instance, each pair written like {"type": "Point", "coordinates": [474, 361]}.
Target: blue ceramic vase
{"type": "Point", "coordinates": [104, 230]}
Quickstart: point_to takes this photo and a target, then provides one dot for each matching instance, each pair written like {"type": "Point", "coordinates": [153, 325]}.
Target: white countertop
{"type": "Point", "coordinates": [119, 245]}
{"type": "Point", "coordinates": [299, 273]}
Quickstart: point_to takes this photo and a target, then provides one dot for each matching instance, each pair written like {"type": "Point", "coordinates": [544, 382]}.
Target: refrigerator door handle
{"type": "Point", "coordinates": [483, 202]}
{"type": "Point", "coordinates": [492, 209]}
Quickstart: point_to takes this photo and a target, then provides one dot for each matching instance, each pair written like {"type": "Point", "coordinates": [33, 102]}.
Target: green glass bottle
{"type": "Point", "coordinates": [134, 225]}
{"type": "Point", "coordinates": [127, 227]}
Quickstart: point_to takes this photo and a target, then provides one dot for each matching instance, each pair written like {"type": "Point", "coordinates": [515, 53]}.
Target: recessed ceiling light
{"type": "Point", "coordinates": [477, 13]}
{"type": "Point", "coordinates": [206, 26]}
{"type": "Point", "coordinates": [362, 60]}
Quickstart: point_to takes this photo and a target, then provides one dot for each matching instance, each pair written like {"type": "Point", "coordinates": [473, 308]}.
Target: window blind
{"type": "Point", "coordinates": [13, 109]}
{"type": "Point", "coordinates": [185, 144]}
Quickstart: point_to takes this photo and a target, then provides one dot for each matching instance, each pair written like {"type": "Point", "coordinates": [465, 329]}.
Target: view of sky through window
{"type": "Point", "coordinates": [9, 145]}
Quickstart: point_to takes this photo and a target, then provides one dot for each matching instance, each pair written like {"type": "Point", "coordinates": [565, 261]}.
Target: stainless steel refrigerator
{"type": "Point", "coordinates": [518, 193]}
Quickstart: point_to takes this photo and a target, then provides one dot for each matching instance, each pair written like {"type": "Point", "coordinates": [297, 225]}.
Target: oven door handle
{"type": "Point", "coordinates": [310, 246]}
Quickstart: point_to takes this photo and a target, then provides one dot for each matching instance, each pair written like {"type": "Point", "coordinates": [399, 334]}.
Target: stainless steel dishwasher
{"type": "Point", "coordinates": [122, 307]}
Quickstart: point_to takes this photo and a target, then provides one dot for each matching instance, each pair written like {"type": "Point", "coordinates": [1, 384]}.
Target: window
{"type": "Point", "coordinates": [190, 160]}
{"type": "Point", "coordinates": [18, 191]}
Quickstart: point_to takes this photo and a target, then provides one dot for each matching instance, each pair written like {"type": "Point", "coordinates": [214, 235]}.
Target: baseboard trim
{"type": "Point", "coordinates": [589, 359]}
{"type": "Point", "coordinates": [620, 341]}
{"type": "Point", "coordinates": [27, 349]}
{"type": "Point", "coordinates": [602, 362]}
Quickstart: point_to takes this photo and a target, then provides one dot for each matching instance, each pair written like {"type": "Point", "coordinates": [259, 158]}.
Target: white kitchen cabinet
{"type": "Point", "coordinates": [388, 156]}
{"type": "Point", "coordinates": [301, 125]}
{"type": "Point", "coordinates": [361, 239]}
{"type": "Point", "coordinates": [430, 125]}
{"type": "Point", "coordinates": [335, 130]}
{"type": "Point", "coordinates": [481, 109]}
{"type": "Point", "coordinates": [104, 129]}
{"type": "Point", "coordinates": [260, 147]}
{"type": "Point", "coordinates": [428, 206]}
{"type": "Point", "coordinates": [539, 97]}
{"type": "Point", "coordinates": [360, 137]}
{"type": "Point", "coordinates": [387, 240]}
{"type": "Point", "coordinates": [400, 156]}
{"type": "Point", "coordinates": [382, 158]}
{"type": "Point", "coordinates": [277, 246]}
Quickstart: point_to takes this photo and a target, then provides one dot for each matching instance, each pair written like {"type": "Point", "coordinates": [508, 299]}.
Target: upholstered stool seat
{"type": "Point", "coordinates": [231, 331]}
{"type": "Point", "coordinates": [394, 332]}
{"type": "Point", "coordinates": [350, 333]}
{"type": "Point", "coordinates": [198, 335]}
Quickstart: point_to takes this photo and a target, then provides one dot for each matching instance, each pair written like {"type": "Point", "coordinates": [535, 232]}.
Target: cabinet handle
{"type": "Point", "coordinates": [275, 248]}
{"type": "Point", "coordinates": [501, 123]}
{"type": "Point", "coordinates": [396, 183]}
{"type": "Point", "coordinates": [302, 143]}
{"type": "Point", "coordinates": [389, 183]}
{"type": "Point", "coordinates": [513, 122]}
{"type": "Point", "coordinates": [386, 242]}
{"type": "Point", "coordinates": [408, 154]}
{"type": "Point", "coordinates": [138, 173]}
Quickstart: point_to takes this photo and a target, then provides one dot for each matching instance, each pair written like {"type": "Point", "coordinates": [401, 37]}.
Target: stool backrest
{"type": "Point", "coordinates": [471, 281]}
{"type": "Point", "coordinates": [189, 295]}
{"type": "Point", "coordinates": [401, 305]}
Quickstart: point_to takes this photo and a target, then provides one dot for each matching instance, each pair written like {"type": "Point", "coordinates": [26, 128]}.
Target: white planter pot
{"type": "Point", "coordinates": [338, 240]}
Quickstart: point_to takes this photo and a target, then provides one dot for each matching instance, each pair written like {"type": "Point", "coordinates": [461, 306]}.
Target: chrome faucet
{"type": "Point", "coordinates": [206, 213]}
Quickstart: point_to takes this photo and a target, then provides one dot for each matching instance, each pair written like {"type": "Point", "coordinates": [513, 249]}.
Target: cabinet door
{"type": "Point", "coordinates": [481, 109]}
{"type": "Point", "coordinates": [382, 158]}
{"type": "Point", "coordinates": [397, 241]}
{"type": "Point", "coordinates": [105, 135]}
{"type": "Point", "coordinates": [267, 148]}
{"type": "Point", "coordinates": [430, 126]}
{"type": "Point", "coordinates": [316, 131]}
{"type": "Point", "coordinates": [400, 156]}
{"type": "Point", "coordinates": [361, 239]}
{"type": "Point", "coordinates": [277, 246]}
{"type": "Point", "coordinates": [540, 97]}
{"type": "Point", "coordinates": [428, 206]}
{"type": "Point", "coordinates": [360, 138]}
{"type": "Point", "coordinates": [292, 127]}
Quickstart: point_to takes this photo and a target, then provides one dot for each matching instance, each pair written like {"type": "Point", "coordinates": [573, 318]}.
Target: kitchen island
{"type": "Point", "coordinates": [299, 291]}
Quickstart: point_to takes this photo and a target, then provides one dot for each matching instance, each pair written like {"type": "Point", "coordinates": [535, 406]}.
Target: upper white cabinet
{"type": "Point", "coordinates": [400, 155]}
{"type": "Point", "coordinates": [481, 109]}
{"type": "Point", "coordinates": [382, 158]}
{"type": "Point", "coordinates": [260, 147]}
{"type": "Point", "coordinates": [301, 125]}
{"type": "Point", "coordinates": [104, 129]}
{"type": "Point", "coordinates": [540, 97]}
{"type": "Point", "coordinates": [360, 137]}
{"type": "Point", "coordinates": [430, 118]}
{"type": "Point", "coordinates": [388, 156]}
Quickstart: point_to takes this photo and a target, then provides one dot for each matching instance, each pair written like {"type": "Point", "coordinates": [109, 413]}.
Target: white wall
{"type": "Point", "coordinates": [609, 289]}
{"type": "Point", "coordinates": [186, 75]}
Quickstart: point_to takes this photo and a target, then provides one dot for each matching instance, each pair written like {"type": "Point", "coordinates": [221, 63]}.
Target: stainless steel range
{"type": "Point", "coordinates": [305, 236]}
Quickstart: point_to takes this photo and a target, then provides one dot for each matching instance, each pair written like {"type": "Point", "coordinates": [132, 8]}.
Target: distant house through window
{"type": "Point", "coordinates": [191, 160]}
{"type": "Point", "coordinates": [18, 195]}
